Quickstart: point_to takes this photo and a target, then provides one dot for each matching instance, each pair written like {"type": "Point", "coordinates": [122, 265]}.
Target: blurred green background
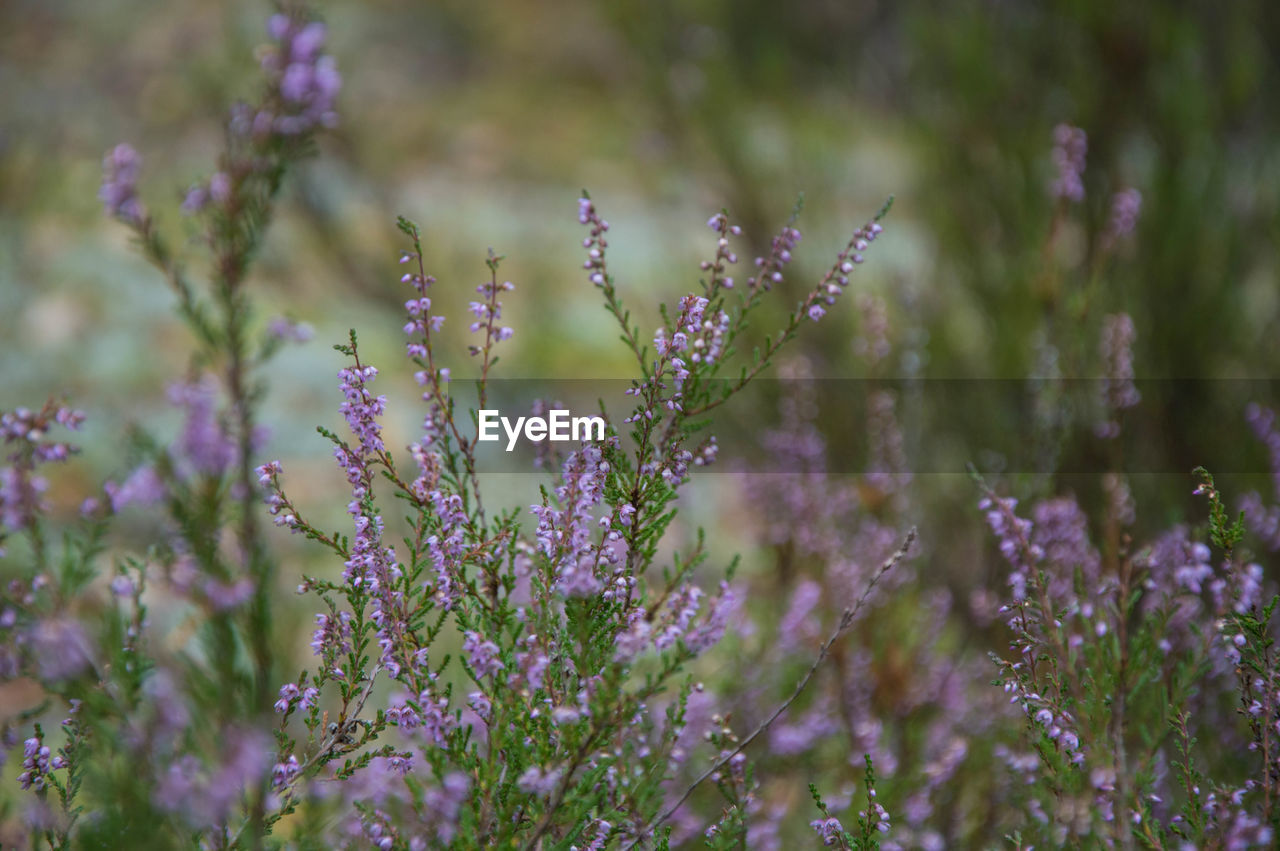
{"type": "Point", "coordinates": [483, 122]}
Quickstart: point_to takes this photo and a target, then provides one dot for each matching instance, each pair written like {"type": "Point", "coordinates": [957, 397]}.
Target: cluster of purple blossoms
{"type": "Point", "coordinates": [292, 695]}
{"type": "Point", "coordinates": [1070, 145]}
{"type": "Point", "coordinates": [447, 547]}
{"type": "Point", "coordinates": [143, 487]}
{"type": "Point", "coordinates": [37, 764]}
{"type": "Point", "coordinates": [306, 78]}
{"type": "Point", "coordinates": [303, 85]}
{"type": "Point", "coordinates": [487, 313]}
{"type": "Point", "coordinates": [837, 279]}
{"type": "Point", "coordinates": [1117, 389]}
{"type": "Point", "coordinates": [565, 535]}
{"type": "Point", "coordinates": [1125, 207]}
{"type": "Point", "coordinates": [683, 607]}
{"type": "Point", "coordinates": [25, 432]}
{"type": "Point", "coordinates": [830, 829]}
{"type": "Point", "coordinates": [361, 411]}
{"type": "Point", "coordinates": [290, 330]}
{"type": "Point", "coordinates": [205, 796]}
{"type": "Point", "coordinates": [687, 332]}
{"type": "Point", "coordinates": [1264, 521]}
{"type": "Point", "coordinates": [539, 781]}
{"type": "Point", "coordinates": [724, 256]}
{"type": "Point", "coordinates": [332, 637]}
{"type": "Point", "coordinates": [1048, 715]}
{"type": "Point", "coordinates": [285, 773]}
{"type": "Point", "coordinates": [872, 343]}
{"type": "Point", "coordinates": [205, 446]}
{"type": "Point", "coordinates": [595, 264]}
{"type": "Point", "coordinates": [371, 565]}
{"type": "Point", "coordinates": [431, 716]}
{"type": "Point", "coordinates": [1060, 532]}
{"type": "Point", "coordinates": [779, 256]}
{"type": "Point", "coordinates": [277, 504]}
{"type": "Point", "coordinates": [1014, 536]}
{"type": "Point", "coordinates": [482, 655]}
{"type": "Point", "coordinates": [531, 665]}
{"type": "Point", "coordinates": [598, 840]}
{"type": "Point", "coordinates": [119, 193]}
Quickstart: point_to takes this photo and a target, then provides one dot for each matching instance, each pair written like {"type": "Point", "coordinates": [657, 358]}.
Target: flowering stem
{"type": "Point", "coordinates": [846, 619]}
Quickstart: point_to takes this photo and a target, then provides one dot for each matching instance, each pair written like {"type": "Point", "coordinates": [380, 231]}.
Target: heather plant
{"type": "Point", "coordinates": [568, 666]}
{"type": "Point", "coordinates": [163, 742]}
{"type": "Point", "coordinates": [568, 633]}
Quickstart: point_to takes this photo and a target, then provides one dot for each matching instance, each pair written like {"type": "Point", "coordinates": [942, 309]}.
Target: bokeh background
{"type": "Point", "coordinates": [483, 121]}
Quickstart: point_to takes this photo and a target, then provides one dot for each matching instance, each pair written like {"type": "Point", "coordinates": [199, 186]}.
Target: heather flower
{"type": "Point", "coordinates": [1118, 390]}
{"type": "Point", "coordinates": [596, 244]}
{"type": "Point", "coordinates": [872, 343]}
{"type": "Point", "coordinates": [564, 533]}
{"type": "Point", "coordinates": [830, 829]}
{"type": "Point", "coordinates": [284, 773]}
{"type": "Point", "coordinates": [35, 764]}
{"type": "Point", "coordinates": [1061, 534]}
{"type": "Point", "coordinates": [332, 636]}
{"type": "Point", "coordinates": [119, 193]}
{"type": "Point", "coordinates": [1070, 144]}
{"type": "Point", "coordinates": [61, 649]}
{"type": "Point", "coordinates": [143, 487]}
{"type": "Point", "coordinates": [307, 79]}
{"type": "Point", "coordinates": [887, 462]}
{"type": "Point", "coordinates": [682, 607]}
{"type": "Point", "coordinates": [799, 627]}
{"type": "Point", "coordinates": [725, 257]}
{"type": "Point", "coordinates": [779, 256]}
{"type": "Point", "coordinates": [1014, 536]}
{"type": "Point", "coordinates": [195, 200]}
{"type": "Point", "coordinates": [442, 803]}
{"type": "Point", "coordinates": [1125, 206]}
{"type": "Point", "coordinates": [1263, 520]}
{"type": "Point", "coordinates": [711, 629]}
{"type": "Point", "coordinates": [204, 445]}
{"type": "Point", "coordinates": [290, 330]}
{"type": "Point", "coordinates": [481, 655]}
{"type": "Point", "coordinates": [539, 781]}
{"type": "Point", "coordinates": [21, 488]}
{"type": "Point", "coordinates": [225, 596]}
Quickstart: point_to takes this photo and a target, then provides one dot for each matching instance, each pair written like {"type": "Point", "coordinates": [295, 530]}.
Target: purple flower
{"type": "Point", "coordinates": [482, 655]}
{"type": "Point", "coordinates": [306, 78]}
{"type": "Point", "coordinates": [1125, 206]}
{"type": "Point", "coordinates": [564, 532]}
{"type": "Point", "coordinates": [119, 192]}
{"type": "Point", "coordinates": [143, 487]}
{"type": "Point", "coordinates": [289, 330]}
{"type": "Point", "coordinates": [1117, 388]}
{"type": "Point", "coordinates": [1264, 520]}
{"type": "Point", "coordinates": [225, 596]}
{"type": "Point", "coordinates": [830, 829]}
{"type": "Point", "coordinates": [204, 446]}
{"type": "Point", "coordinates": [196, 199]}
{"type": "Point", "coordinates": [538, 781]}
{"type": "Point", "coordinates": [61, 649]}
{"type": "Point", "coordinates": [1070, 145]}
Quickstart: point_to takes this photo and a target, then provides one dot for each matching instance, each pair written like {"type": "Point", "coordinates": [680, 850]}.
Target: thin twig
{"type": "Point", "coordinates": [846, 619]}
